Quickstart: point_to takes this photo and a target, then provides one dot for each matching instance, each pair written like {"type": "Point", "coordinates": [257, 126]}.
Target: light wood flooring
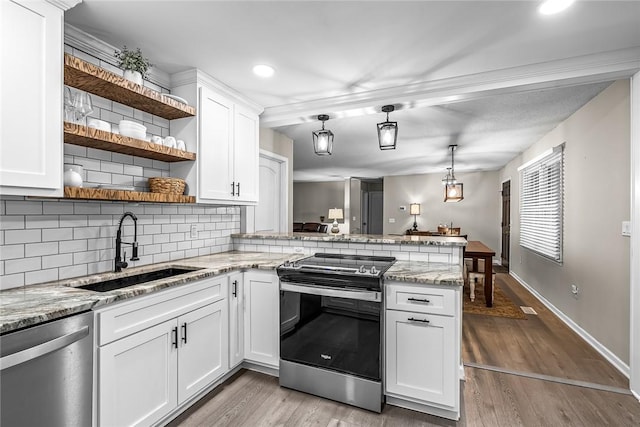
{"type": "Point", "coordinates": [541, 345]}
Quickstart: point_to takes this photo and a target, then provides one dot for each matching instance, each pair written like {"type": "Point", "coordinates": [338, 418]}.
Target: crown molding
{"type": "Point", "coordinates": [64, 4]}
{"type": "Point", "coordinates": [195, 76]}
{"type": "Point", "coordinates": [585, 69]}
{"type": "Point", "coordinates": [103, 51]}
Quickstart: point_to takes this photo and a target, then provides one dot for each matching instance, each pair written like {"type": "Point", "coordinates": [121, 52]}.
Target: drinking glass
{"type": "Point", "coordinates": [69, 108]}
{"type": "Point", "coordinates": [83, 106]}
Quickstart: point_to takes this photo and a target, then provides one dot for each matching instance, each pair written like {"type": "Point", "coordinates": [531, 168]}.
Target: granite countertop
{"type": "Point", "coordinates": [30, 305]}
{"type": "Point", "coordinates": [360, 238]}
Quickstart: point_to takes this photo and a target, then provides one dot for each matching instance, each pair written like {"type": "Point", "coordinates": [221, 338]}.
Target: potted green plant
{"type": "Point", "coordinates": [134, 64]}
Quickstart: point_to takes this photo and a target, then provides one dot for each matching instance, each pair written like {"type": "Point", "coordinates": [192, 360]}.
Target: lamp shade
{"type": "Point", "coordinates": [323, 138]}
{"type": "Point", "coordinates": [387, 131]}
{"type": "Point", "coordinates": [335, 213]}
{"type": "Point", "coordinates": [414, 209]}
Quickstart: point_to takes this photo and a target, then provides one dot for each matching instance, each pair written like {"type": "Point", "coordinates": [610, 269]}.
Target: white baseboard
{"type": "Point", "coordinates": [604, 351]}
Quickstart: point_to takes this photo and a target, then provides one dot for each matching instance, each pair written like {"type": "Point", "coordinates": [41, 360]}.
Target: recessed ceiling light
{"type": "Point", "coordinates": [263, 70]}
{"type": "Point", "coordinates": [550, 7]}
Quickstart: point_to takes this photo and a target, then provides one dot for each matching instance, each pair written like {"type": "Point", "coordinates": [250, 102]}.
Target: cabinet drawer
{"type": "Point", "coordinates": [421, 299]}
{"type": "Point", "coordinates": [140, 313]}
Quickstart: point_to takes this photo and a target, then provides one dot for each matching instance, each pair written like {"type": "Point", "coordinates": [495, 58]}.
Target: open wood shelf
{"type": "Point", "coordinates": [91, 78]}
{"type": "Point", "coordinates": [127, 196]}
{"type": "Point", "coordinates": [89, 137]}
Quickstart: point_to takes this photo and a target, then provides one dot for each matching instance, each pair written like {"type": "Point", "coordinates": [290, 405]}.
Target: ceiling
{"type": "Point", "coordinates": [333, 56]}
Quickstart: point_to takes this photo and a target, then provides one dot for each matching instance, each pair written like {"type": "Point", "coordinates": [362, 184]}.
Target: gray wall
{"type": "Point", "coordinates": [312, 199]}
{"type": "Point", "coordinates": [597, 200]}
{"type": "Point", "coordinates": [478, 215]}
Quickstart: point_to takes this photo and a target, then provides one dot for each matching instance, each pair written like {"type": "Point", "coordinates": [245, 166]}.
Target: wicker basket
{"type": "Point", "coordinates": [166, 185]}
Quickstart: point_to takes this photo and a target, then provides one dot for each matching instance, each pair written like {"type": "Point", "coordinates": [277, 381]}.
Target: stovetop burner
{"type": "Point", "coordinates": [337, 270]}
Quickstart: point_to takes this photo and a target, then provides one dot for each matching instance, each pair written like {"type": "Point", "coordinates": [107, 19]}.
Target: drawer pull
{"type": "Point", "coordinates": [419, 300]}
{"type": "Point", "coordinates": [184, 332]}
{"type": "Point", "coordinates": [233, 188]}
{"type": "Point", "coordinates": [411, 319]}
{"type": "Point", "coordinates": [174, 335]}
{"type": "Point", "coordinates": [235, 288]}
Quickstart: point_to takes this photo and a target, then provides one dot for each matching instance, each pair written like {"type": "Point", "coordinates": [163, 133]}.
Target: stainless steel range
{"type": "Point", "coordinates": [331, 328]}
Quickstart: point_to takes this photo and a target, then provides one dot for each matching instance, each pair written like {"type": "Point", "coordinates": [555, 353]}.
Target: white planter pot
{"type": "Point", "coordinates": [134, 76]}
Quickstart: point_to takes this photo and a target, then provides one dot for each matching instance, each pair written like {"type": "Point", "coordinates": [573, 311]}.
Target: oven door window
{"type": "Point", "coordinates": [340, 334]}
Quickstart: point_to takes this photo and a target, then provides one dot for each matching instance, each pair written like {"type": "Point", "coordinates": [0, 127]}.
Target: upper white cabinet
{"type": "Point", "coordinates": [31, 153]}
{"type": "Point", "coordinates": [226, 131]}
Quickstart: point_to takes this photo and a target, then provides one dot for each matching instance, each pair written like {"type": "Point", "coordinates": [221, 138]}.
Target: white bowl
{"type": "Point", "coordinates": [132, 133]}
{"type": "Point", "coordinates": [98, 124]}
{"type": "Point", "coordinates": [132, 125]}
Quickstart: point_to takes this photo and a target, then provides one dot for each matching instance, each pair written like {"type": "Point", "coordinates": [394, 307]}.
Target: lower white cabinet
{"type": "Point", "coordinates": [148, 373]}
{"type": "Point", "coordinates": [236, 319]}
{"type": "Point", "coordinates": [262, 318]}
{"type": "Point", "coordinates": [422, 363]}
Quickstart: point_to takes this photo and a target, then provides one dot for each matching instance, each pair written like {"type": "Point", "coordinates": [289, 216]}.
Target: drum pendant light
{"type": "Point", "coordinates": [387, 131]}
{"type": "Point", "coordinates": [323, 139]}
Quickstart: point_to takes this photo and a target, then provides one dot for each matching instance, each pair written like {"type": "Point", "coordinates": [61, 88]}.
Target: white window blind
{"type": "Point", "coordinates": [541, 204]}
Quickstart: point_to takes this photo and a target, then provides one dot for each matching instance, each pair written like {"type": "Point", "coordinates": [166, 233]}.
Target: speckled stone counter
{"type": "Point", "coordinates": [30, 305]}
{"type": "Point", "coordinates": [358, 238]}
{"type": "Point", "coordinates": [425, 273]}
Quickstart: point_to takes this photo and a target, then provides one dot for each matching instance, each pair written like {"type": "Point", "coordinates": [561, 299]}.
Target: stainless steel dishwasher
{"type": "Point", "coordinates": [46, 374]}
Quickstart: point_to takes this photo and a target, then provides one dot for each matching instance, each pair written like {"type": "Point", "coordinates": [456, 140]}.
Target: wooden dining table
{"type": "Point", "coordinates": [477, 250]}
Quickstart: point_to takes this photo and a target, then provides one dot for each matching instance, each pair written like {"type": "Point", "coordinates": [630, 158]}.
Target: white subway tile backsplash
{"type": "Point", "coordinates": [40, 276]}
{"type": "Point", "coordinates": [140, 161]}
{"type": "Point", "coordinates": [12, 222]}
{"type": "Point", "coordinates": [23, 236]}
{"type": "Point", "coordinates": [9, 281]}
{"type": "Point", "coordinates": [86, 208]}
{"type": "Point", "coordinates": [101, 243]}
{"type": "Point", "coordinates": [132, 170]}
{"type": "Point", "coordinates": [73, 220]}
{"type": "Point", "coordinates": [98, 177]}
{"type": "Point", "coordinates": [59, 260]}
{"type": "Point", "coordinates": [111, 167]}
{"type": "Point", "coordinates": [169, 228]}
{"type": "Point", "coordinates": [57, 234]}
{"type": "Point", "coordinates": [125, 159]}
{"type": "Point", "coordinates": [99, 154]}
{"type": "Point", "coordinates": [23, 207]}
{"type": "Point", "coordinates": [41, 221]}
{"type": "Point", "coordinates": [160, 238]}
{"type": "Point", "coordinates": [61, 207]}
{"type": "Point", "coordinates": [125, 110]}
{"type": "Point", "coordinates": [11, 252]}
{"type": "Point", "coordinates": [72, 271]}
{"type": "Point", "coordinates": [112, 208]}
{"type": "Point", "coordinates": [40, 249]}
{"type": "Point", "coordinates": [20, 265]}
{"type": "Point", "coordinates": [72, 246]}
{"type": "Point", "coordinates": [75, 150]}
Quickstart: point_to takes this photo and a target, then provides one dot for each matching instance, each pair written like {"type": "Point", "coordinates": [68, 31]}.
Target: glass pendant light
{"type": "Point", "coordinates": [323, 139]}
{"type": "Point", "coordinates": [387, 131]}
{"type": "Point", "coordinates": [453, 191]}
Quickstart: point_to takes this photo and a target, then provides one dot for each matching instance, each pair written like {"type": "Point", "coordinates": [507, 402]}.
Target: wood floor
{"type": "Point", "coordinates": [540, 345]}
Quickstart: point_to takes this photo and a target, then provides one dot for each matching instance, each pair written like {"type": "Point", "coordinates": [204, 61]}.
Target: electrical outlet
{"type": "Point", "coordinates": [392, 220]}
{"type": "Point", "coordinates": [193, 231]}
{"type": "Point", "coordinates": [626, 228]}
{"type": "Point", "coordinates": [298, 250]}
{"type": "Point", "coordinates": [575, 290]}
{"type": "Point", "coordinates": [403, 208]}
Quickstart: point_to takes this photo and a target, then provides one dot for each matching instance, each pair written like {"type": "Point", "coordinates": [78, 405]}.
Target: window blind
{"type": "Point", "coordinates": [541, 204]}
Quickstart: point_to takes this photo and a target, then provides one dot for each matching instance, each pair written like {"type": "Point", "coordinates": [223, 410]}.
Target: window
{"type": "Point", "coordinates": [541, 203]}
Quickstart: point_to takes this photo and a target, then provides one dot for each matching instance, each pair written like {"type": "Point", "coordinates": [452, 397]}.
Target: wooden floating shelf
{"type": "Point", "coordinates": [89, 137]}
{"type": "Point", "coordinates": [91, 78]}
{"type": "Point", "coordinates": [126, 196]}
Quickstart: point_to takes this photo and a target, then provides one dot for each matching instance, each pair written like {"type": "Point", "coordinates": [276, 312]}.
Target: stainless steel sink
{"type": "Point", "coordinates": [123, 282]}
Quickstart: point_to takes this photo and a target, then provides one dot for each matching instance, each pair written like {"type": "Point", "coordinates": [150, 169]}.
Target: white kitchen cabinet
{"type": "Point", "coordinates": [236, 319]}
{"type": "Point", "coordinates": [422, 363]}
{"type": "Point", "coordinates": [226, 131]}
{"type": "Point", "coordinates": [158, 351]}
{"type": "Point", "coordinates": [31, 149]}
{"type": "Point", "coordinates": [262, 319]}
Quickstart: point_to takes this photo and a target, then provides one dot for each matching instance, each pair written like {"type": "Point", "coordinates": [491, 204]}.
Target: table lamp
{"type": "Point", "coordinates": [414, 209]}
{"type": "Point", "coordinates": [335, 214]}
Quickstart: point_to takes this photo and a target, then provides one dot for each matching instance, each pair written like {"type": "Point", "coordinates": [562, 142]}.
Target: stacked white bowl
{"type": "Point", "coordinates": [98, 124]}
{"type": "Point", "coordinates": [132, 129]}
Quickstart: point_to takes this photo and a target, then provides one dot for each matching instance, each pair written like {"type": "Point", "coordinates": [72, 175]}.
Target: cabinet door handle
{"type": "Point", "coordinates": [174, 333]}
{"type": "Point", "coordinates": [233, 188]}
{"type": "Point", "coordinates": [411, 319]}
{"type": "Point", "coordinates": [238, 192]}
{"type": "Point", "coordinates": [235, 288]}
{"type": "Point", "coordinates": [184, 332]}
{"type": "Point", "coordinates": [419, 300]}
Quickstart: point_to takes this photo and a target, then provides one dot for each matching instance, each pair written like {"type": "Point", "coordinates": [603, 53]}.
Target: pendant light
{"type": "Point", "coordinates": [323, 139]}
{"type": "Point", "coordinates": [387, 131]}
{"type": "Point", "coordinates": [452, 188]}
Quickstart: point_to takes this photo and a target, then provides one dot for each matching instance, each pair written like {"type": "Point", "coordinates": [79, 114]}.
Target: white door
{"type": "Point", "coordinates": [262, 320]}
{"type": "Point", "coordinates": [421, 362]}
{"type": "Point", "coordinates": [270, 213]}
{"type": "Point", "coordinates": [236, 319]}
{"type": "Point", "coordinates": [203, 354]}
{"type": "Point", "coordinates": [138, 377]}
{"type": "Point", "coordinates": [31, 101]}
{"type": "Point", "coordinates": [215, 155]}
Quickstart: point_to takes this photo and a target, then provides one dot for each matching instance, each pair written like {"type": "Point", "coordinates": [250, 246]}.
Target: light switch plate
{"type": "Point", "coordinates": [626, 228]}
{"type": "Point", "coordinates": [193, 231]}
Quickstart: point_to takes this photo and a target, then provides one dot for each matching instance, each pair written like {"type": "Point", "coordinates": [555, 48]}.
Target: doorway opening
{"type": "Point", "coordinates": [371, 202]}
{"type": "Point", "coordinates": [505, 223]}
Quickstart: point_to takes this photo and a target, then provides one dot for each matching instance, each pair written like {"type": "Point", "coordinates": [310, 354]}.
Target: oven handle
{"type": "Point", "coordinates": [332, 292]}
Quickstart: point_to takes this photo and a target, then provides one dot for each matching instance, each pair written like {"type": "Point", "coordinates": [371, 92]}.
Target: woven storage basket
{"type": "Point", "coordinates": [166, 185]}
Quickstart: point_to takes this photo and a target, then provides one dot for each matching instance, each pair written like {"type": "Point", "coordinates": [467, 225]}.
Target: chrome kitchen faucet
{"type": "Point", "coordinates": [122, 263]}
